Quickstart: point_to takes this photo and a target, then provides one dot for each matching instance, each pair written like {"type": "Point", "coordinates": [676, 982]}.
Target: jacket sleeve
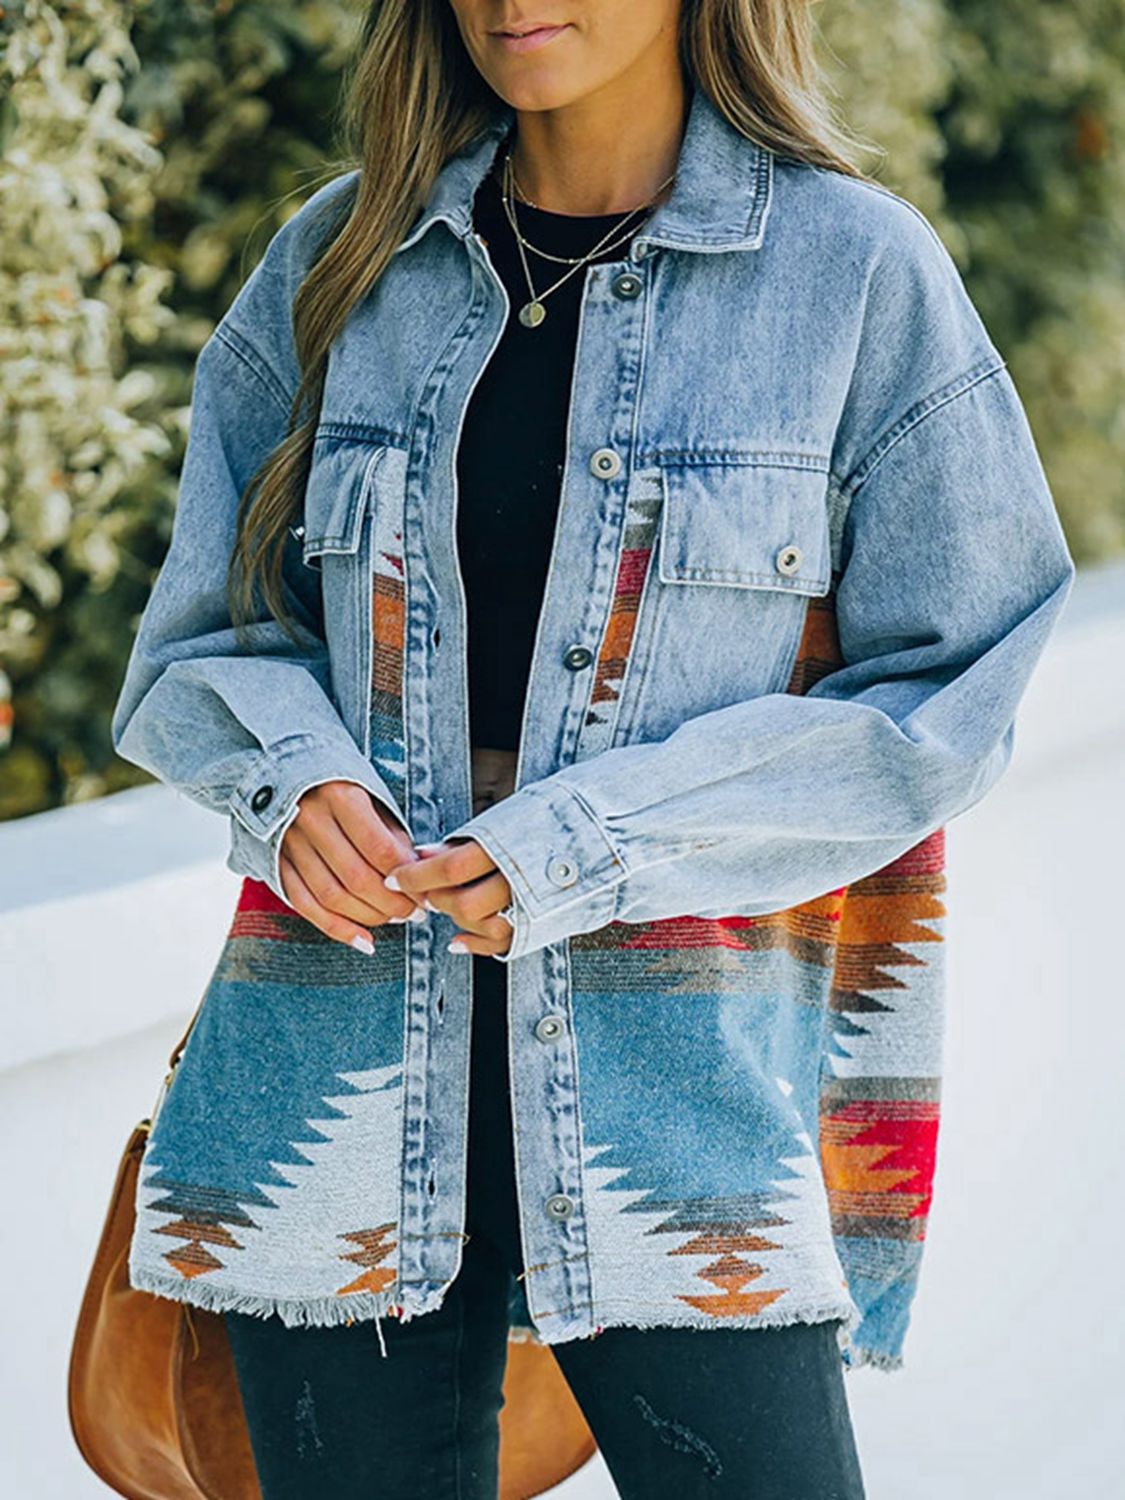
{"type": "Point", "coordinates": [953, 570]}
{"type": "Point", "coordinates": [242, 733]}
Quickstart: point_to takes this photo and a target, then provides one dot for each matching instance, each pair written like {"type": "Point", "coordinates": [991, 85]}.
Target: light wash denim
{"type": "Point", "coordinates": [782, 398]}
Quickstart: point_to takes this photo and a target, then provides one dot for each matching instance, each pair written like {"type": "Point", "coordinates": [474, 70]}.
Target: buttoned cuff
{"type": "Point", "coordinates": [561, 865]}
{"type": "Point", "coordinates": [268, 798]}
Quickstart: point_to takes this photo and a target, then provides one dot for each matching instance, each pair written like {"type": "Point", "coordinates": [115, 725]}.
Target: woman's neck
{"type": "Point", "coordinates": [606, 152]}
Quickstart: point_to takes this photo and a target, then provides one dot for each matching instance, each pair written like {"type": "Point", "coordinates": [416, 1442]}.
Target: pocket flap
{"type": "Point", "coordinates": [750, 524]}
{"type": "Point", "coordinates": [335, 496]}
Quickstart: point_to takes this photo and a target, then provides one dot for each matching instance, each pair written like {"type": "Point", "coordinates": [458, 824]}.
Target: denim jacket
{"type": "Point", "coordinates": [807, 543]}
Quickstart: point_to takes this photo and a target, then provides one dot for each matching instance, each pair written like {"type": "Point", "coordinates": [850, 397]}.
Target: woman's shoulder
{"type": "Point", "coordinates": [886, 292]}
{"type": "Point", "coordinates": [295, 244]}
{"type": "Point", "coordinates": [863, 217]}
{"type": "Point", "coordinates": [260, 318]}
{"type": "Point", "coordinates": [895, 291]}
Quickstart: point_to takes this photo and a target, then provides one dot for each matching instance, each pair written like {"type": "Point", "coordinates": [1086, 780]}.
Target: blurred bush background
{"type": "Point", "coordinates": [150, 148]}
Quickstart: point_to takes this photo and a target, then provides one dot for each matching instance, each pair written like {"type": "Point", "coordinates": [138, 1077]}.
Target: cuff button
{"type": "Point", "coordinates": [261, 798]}
{"type": "Point", "coordinates": [788, 559]}
{"type": "Point", "coordinates": [561, 872]}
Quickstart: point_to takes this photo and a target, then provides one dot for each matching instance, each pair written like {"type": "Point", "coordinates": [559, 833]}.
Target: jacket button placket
{"type": "Point", "coordinates": [435, 1075]}
{"type": "Point", "coordinates": [545, 1075]}
{"type": "Point", "coordinates": [544, 1084]}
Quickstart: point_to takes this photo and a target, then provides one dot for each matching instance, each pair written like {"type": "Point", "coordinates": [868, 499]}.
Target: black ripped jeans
{"type": "Point", "coordinates": [678, 1412]}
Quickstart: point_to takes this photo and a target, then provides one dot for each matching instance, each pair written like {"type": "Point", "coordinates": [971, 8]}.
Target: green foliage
{"type": "Point", "coordinates": [150, 148]}
{"type": "Point", "coordinates": [890, 68]}
{"type": "Point", "coordinates": [241, 99]}
{"type": "Point", "coordinates": [1018, 159]}
{"type": "Point", "coordinates": [84, 424]}
{"type": "Point", "coordinates": [1035, 173]}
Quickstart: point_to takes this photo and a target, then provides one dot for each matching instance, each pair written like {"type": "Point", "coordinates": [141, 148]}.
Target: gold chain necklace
{"type": "Point", "coordinates": [532, 313]}
{"type": "Point", "coordinates": [562, 260]}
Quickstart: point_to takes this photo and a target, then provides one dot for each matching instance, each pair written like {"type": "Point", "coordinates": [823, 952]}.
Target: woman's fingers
{"type": "Point", "coordinates": [454, 862]}
{"type": "Point", "coordinates": [301, 898]}
{"type": "Point", "coordinates": [319, 861]}
{"type": "Point", "coordinates": [334, 854]}
{"type": "Point", "coordinates": [461, 880]}
{"type": "Point", "coordinates": [373, 829]}
{"type": "Point", "coordinates": [356, 839]}
{"type": "Point", "coordinates": [496, 939]}
{"type": "Point", "coordinates": [342, 843]}
{"type": "Point", "coordinates": [473, 907]}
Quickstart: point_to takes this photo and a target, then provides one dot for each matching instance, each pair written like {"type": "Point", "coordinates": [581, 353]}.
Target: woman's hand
{"type": "Point", "coordinates": [461, 880]}
{"type": "Point", "coordinates": [334, 856]}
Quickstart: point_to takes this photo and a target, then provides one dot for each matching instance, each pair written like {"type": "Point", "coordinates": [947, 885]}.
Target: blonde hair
{"type": "Point", "coordinates": [412, 98]}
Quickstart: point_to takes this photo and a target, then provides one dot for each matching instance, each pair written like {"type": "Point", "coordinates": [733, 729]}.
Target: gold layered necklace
{"type": "Point", "coordinates": [532, 313]}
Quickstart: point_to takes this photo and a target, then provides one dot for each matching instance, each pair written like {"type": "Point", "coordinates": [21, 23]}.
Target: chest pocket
{"type": "Point", "coordinates": [340, 484]}
{"type": "Point", "coordinates": [341, 500]}
{"type": "Point", "coordinates": [742, 546]}
{"type": "Point", "coordinates": [755, 525]}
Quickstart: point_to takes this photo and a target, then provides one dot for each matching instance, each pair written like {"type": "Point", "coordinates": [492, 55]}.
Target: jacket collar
{"type": "Point", "coordinates": [720, 199]}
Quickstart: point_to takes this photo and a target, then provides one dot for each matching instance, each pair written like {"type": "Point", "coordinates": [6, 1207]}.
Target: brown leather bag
{"type": "Point", "coordinates": [155, 1407]}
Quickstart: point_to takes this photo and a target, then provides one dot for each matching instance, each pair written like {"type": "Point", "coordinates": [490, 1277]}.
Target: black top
{"type": "Point", "coordinates": [511, 452]}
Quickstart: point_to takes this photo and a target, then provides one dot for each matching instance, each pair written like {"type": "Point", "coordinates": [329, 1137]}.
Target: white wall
{"type": "Point", "coordinates": [1013, 1383]}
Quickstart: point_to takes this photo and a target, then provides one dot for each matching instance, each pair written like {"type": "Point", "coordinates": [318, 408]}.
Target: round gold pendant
{"type": "Point", "coordinates": [532, 314]}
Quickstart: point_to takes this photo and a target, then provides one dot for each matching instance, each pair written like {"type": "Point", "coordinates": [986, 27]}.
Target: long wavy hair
{"type": "Point", "coordinates": [411, 98]}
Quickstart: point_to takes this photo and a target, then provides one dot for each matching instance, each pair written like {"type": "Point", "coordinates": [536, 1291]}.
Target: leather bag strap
{"type": "Point", "coordinates": [173, 1063]}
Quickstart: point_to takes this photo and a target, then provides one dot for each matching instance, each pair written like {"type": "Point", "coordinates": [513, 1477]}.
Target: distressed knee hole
{"type": "Point", "coordinates": [307, 1434]}
{"type": "Point", "coordinates": [676, 1435]}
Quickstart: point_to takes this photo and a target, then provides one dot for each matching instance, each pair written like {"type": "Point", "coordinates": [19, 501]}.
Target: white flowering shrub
{"type": "Point", "coordinates": [78, 421]}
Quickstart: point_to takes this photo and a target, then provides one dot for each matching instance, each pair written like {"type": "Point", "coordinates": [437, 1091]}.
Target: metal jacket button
{"type": "Point", "coordinates": [561, 871]}
{"type": "Point", "coordinates": [549, 1028]}
{"type": "Point", "coordinates": [261, 798]}
{"type": "Point", "coordinates": [577, 656]}
{"type": "Point", "coordinates": [559, 1206]}
{"type": "Point", "coordinates": [788, 559]}
{"type": "Point", "coordinates": [605, 463]}
{"type": "Point", "coordinates": [626, 285]}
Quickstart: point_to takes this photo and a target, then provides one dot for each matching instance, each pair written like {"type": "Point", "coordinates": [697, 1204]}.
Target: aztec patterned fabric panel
{"type": "Point", "coordinates": [850, 989]}
{"type": "Point", "coordinates": [807, 1047]}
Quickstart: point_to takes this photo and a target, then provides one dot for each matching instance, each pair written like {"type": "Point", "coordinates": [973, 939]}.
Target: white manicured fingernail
{"type": "Point", "coordinates": [364, 944]}
{"type": "Point", "coordinates": [429, 905]}
{"type": "Point", "coordinates": [457, 945]}
{"type": "Point", "coordinates": [418, 914]}
{"type": "Point", "coordinates": [391, 883]}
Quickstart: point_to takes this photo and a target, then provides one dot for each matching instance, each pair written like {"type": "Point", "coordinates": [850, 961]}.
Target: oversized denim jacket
{"type": "Point", "coordinates": [806, 537]}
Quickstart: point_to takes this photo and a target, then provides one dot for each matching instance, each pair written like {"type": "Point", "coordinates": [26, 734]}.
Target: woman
{"type": "Point", "coordinates": [670, 553]}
